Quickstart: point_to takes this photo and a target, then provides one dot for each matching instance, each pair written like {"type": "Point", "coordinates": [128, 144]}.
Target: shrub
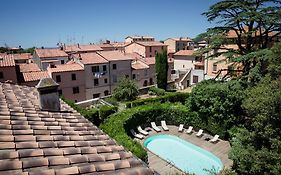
{"type": "Point", "coordinates": [105, 111]}
{"type": "Point", "coordinates": [126, 90]}
{"type": "Point", "coordinates": [170, 97]}
{"type": "Point", "coordinates": [218, 105]}
{"type": "Point", "coordinates": [156, 91]}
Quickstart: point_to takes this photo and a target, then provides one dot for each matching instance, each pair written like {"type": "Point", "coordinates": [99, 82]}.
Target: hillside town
{"type": "Point", "coordinates": [180, 95]}
{"type": "Point", "coordinates": [87, 71]}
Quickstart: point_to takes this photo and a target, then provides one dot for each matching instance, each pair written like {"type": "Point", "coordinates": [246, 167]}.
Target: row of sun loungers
{"type": "Point", "coordinates": [144, 133]}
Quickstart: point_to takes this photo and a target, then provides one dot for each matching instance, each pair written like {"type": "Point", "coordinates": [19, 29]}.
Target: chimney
{"type": "Point", "coordinates": [78, 45]}
{"type": "Point", "coordinates": [48, 95]}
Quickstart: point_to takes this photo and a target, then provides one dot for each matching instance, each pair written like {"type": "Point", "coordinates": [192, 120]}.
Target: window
{"type": "Point", "coordinates": [114, 66]}
{"type": "Point", "coordinates": [150, 49]}
{"type": "Point", "coordinates": [104, 68]}
{"type": "Point", "coordinates": [1, 75]}
{"type": "Point", "coordinates": [150, 55]}
{"type": "Point", "coordinates": [134, 76]}
{"type": "Point", "coordinates": [73, 76]}
{"type": "Point", "coordinates": [96, 95]}
{"type": "Point", "coordinates": [106, 93]}
{"type": "Point", "coordinates": [151, 81]}
{"type": "Point", "coordinates": [75, 101]}
{"type": "Point", "coordinates": [75, 90]}
{"type": "Point", "coordinates": [195, 79]}
{"type": "Point", "coordinates": [61, 61]}
{"type": "Point", "coordinates": [58, 78]}
{"type": "Point", "coordinates": [145, 83]}
{"type": "Point", "coordinates": [60, 92]}
{"type": "Point", "coordinates": [52, 66]}
{"type": "Point", "coordinates": [96, 82]}
{"type": "Point", "coordinates": [95, 69]}
{"type": "Point", "coordinates": [114, 78]}
{"type": "Point", "coordinates": [126, 76]}
{"type": "Point", "coordinates": [215, 67]}
{"type": "Point", "coordinates": [105, 81]}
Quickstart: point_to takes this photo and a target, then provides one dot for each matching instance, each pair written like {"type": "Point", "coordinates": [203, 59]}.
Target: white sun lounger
{"type": "Point", "coordinates": [139, 136]}
{"type": "Point", "coordinates": [199, 133]}
{"type": "Point", "coordinates": [181, 128]}
{"type": "Point", "coordinates": [214, 139]}
{"type": "Point", "coordinates": [155, 127]}
{"type": "Point", "coordinates": [164, 126]}
{"type": "Point", "coordinates": [142, 131]}
{"type": "Point", "coordinates": [189, 130]}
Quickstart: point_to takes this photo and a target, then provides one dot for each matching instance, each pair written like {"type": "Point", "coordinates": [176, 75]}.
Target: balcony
{"type": "Point", "coordinates": [99, 74]}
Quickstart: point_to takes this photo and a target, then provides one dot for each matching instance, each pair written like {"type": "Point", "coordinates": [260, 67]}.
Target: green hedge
{"type": "Point", "coordinates": [105, 111]}
{"type": "Point", "coordinates": [118, 125]}
{"type": "Point", "coordinates": [96, 116]}
{"type": "Point", "coordinates": [156, 91]}
{"type": "Point", "coordinates": [170, 97]}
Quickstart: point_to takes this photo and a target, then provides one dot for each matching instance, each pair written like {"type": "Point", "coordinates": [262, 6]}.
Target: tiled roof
{"type": "Point", "coordinates": [91, 58]}
{"type": "Point", "coordinates": [82, 48]}
{"type": "Point", "coordinates": [31, 67]}
{"type": "Point", "coordinates": [34, 76]}
{"type": "Point", "coordinates": [139, 65]}
{"type": "Point", "coordinates": [7, 61]}
{"type": "Point", "coordinates": [119, 44]}
{"type": "Point", "coordinates": [50, 53]}
{"type": "Point", "coordinates": [184, 53]}
{"type": "Point", "coordinates": [182, 39]}
{"type": "Point", "coordinates": [22, 56]}
{"type": "Point", "coordinates": [66, 68]}
{"type": "Point", "coordinates": [134, 55]}
{"type": "Point", "coordinates": [115, 55]}
{"type": "Point", "coordinates": [105, 45]}
{"type": "Point", "coordinates": [148, 60]}
{"type": "Point", "coordinates": [151, 43]}
{"type": "Point", "coordinates": [35, 142]}
{"type": "Point", "coordinates": [140, 37]}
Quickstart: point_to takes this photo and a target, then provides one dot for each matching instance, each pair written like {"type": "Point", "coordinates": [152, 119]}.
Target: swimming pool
{"type": "Point", "coordinates": [184, 155]}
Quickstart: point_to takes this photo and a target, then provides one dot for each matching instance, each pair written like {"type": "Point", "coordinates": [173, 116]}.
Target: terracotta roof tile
{"type": "Point", "coordinates": [22, 56]}
{"type": "Point", "coordinates": [66, 68]}
{"type": "Point", "coordinates": [184, 53]}
{"type": "Point", "coordinates": [140, 37]}
{"type": "Point", "coordinates": [50, 53]}
{"type": "Point", "coordinates": [182, 39]}
{"type": "Point", "coordinates": [115, 55]}
{"type": "Point", "coordinates": [42, 142]}
{"type": "Point", "coordinates": [35, 76]}
{"type": "Point", "coordinates": [139, 65]}
{"type": "Point", "coordinates": [82, 48]}
{"type": "Point", "coordinates": [30, 67]}
{"type": "Point", "coordinates": [91, 58]}
{"type": "Point", "coordinates": [7, 61]}
{"type": "Point", "coordinates": [150, 43]}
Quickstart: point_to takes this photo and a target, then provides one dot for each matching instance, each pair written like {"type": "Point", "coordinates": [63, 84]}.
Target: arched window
{"type": "Point", "coordinates": [106, 93]}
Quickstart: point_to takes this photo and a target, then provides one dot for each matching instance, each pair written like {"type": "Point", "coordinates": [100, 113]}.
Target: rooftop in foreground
{"type": "Point", "coordinates": [35, 141]}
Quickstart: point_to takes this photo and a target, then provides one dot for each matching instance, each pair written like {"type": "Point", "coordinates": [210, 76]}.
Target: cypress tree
{"type": "Point", "coordinates": [161, 64]}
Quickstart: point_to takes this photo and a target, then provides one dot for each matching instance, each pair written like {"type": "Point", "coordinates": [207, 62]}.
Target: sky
{"type": "Point", "coordinates": [29, 23]}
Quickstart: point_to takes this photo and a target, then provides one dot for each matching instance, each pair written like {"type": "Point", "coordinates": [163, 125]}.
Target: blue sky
{"type": "Point", "coordinates": [46, 22]}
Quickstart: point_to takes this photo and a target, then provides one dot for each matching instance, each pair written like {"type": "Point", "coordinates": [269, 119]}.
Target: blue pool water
{"type": "Point", "coordinates": [184, 155]}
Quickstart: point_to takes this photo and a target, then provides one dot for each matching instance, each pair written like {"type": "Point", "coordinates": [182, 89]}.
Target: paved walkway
{"type": "Point", "coordinates": [220, 149]}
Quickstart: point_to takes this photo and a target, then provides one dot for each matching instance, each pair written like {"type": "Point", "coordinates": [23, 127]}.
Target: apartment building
{"type": "Point", "coordinates": [130, 39]}
{"type": "Point", "coordinates": [71, 80]}
{"type": "Point", "coordinates": [97, 75]}
{"type": "Point", "coordinates": [146, 49]}
{"type": "Point", "coordinates": [177, 44]}
{"type": "Point", "coordinates": [7, 69]}
{"type": "Point", "coordinates": [46, 57]}
{"type": "Point", "coordinates": [140, 73]}
{"type": "Point", "coordinates": [119, 65]}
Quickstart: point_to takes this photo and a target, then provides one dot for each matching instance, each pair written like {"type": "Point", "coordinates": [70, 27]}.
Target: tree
{"type": "Point", "coordinates": [161, 64]}
{"type": "Point", "coordinates": [257, 149]}
{"type": "Point", "coordinates": [126, 90]}
{"type": "Point", "coordinates": [250, 24]}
